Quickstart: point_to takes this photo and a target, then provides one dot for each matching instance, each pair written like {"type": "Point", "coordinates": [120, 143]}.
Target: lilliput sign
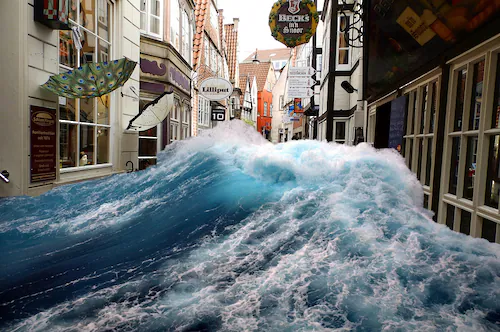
{"type": "Point", "coordinates": [293, 22]}
{"type": "Point", "coordinates": [216, 88]}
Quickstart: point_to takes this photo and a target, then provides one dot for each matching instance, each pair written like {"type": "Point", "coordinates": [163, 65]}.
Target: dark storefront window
{"type": "Point", "coordinates": [489, 230]}
{"type": "Point", "coordinates": [470, 167]}
{"type": "Point", "coordinates": [477, 96]}
{"type": "Point", "coordinates": [465, 222]}
{"type": "Point", "coordinates": [495, 123]}
{"type": "Point", "coordinates": [493, 177]}
{"type": "Point", "coordinates": [459, 107]}
{"type": "Point", "coordinates": [429, 163]}
{"type": "Point", "coordinates": [433, 106]}
{"type": "Point", "coordinates": [455, 156]}
{"type": "Point", "coordinates": [450, 215]}
{"type": "Point", "coordinates": [424, 109]}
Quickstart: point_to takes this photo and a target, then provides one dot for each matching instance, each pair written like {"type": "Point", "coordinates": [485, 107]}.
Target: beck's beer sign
{"type": "Point", "coordinates": [293, 22]}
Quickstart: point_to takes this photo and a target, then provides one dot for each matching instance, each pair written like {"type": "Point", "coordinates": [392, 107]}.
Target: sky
{"type": "Point", "coordinates": [253, 31]}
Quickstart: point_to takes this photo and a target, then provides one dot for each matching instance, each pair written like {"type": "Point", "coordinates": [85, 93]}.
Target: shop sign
{"type": "Point", "coordinates": [406, 38]}
{"type": "Point", "coordinates": [43, 126]}
{"type": "Point", "coordinates": [218, 115]}
{"type": "Point", "coordinates": [216, 88]}
{"type": "Point", "coordinates": [293, 22]}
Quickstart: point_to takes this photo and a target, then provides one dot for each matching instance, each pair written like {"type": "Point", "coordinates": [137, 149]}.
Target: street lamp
{"type": "Point", "coordinates": [348, 87]}
{"type": "Point", "coordinates": [255, 60]}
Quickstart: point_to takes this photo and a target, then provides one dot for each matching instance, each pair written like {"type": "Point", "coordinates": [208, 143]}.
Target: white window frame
{"type": "Point", "coordinates": [148, 15]}
{"type": "Point", "coordinates": [111, 97]}
{"type": "Point", "coordinates": [157, 138]}
{"type": "Point", "coordinates": [457, 203]}
{"type": "Point", "coordinates": [415, 147]}
{"type": "Point", "coordinates": [346, 130]}
{"type": "Point", "coordinates": [204, 109]}
{"type": "Point", "coordinates": [338, 49]}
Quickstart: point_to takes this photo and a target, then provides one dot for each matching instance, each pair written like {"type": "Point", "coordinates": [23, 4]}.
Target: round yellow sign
{"type": "Point", "coordinates": [293, 22]}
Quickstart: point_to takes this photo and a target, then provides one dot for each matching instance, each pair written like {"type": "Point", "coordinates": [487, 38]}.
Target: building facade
{"type": "Point", "coordinates": [444, 121]}
{"type": "Point", "coordinates": [209, 60]}
{"type": "Point", "coordinates": [93, 128]}
{"type": "Point", "coordinates": [341, 112]}
{"type": "Point", "coordinates": [265, 79]}
{"type": "Point", "coordinates": [165, 65]}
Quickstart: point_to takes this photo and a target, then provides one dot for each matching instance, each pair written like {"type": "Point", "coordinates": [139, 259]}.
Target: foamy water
{"type": "Point", "coordinates": [232, 233]}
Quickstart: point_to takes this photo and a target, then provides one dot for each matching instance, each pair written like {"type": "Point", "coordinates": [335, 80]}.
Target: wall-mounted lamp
{"type": "Point", "coordinates": [348, 87]}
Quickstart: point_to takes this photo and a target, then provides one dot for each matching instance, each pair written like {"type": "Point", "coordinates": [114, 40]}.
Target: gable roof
{"type": "Point", "coordinates": [199, 13]}
{"type": "Point", "coordinates": [269, 55]}
{"type": "Point", "coordinates": [260, 71]}
{"type": "Point", "coordinates": [232, 41]}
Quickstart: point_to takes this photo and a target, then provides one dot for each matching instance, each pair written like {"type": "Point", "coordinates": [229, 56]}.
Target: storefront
{"type": "Point", "coordinates": [83, 138]}
{"type": "Point", "coordinates": [442, 115]}
{"type": "Point", "coordinates": [163, 69]}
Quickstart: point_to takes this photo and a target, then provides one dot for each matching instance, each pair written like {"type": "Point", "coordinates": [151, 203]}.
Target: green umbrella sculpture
{"type": "Point", "coordinates": [91, 79]}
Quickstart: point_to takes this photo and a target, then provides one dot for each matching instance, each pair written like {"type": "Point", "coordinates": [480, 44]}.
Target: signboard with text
{"type": "Point", "coordinates": [43, 128]}
{"type": "Point", "coordinates": [406, 38]}
{"type": "Point", "coordinates": [293, 22]}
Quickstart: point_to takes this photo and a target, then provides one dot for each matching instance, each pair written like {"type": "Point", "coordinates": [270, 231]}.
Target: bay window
{"type": "Point", "coordinates": [152, 18]}
{"type": "Point", "coordinates": [84, 124]}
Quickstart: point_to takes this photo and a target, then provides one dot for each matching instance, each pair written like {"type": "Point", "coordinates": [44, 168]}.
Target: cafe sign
{"type": "Point", "coordinates": [43, 126]}
{"type": "Point", "coordinates": [216, 88]}
{"type": "Point", "coordinates": [293, 22]}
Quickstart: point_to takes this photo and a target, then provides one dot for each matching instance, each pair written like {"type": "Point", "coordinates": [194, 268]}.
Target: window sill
{"type": "Point", "coordinates": [83, 168]}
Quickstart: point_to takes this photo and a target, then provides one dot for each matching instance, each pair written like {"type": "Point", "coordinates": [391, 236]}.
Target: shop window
{"type": "Point", "coordinates": [470, 167]}
{"type": "Point", "coordinates": [152, 18]}
{"type": "Point", "coordinates": [477, 96]}
{"type": "Point", "coordinates": [460, 96]}
{"type": "Point", "coordinates": [491, 197]}
{"type": "Point", "coordinates": [489, 230]}
{"type": "Point", "coordinates": [85, 123]}
{"type": "Point", "coordinates": [455, 159]}
{"type": "Point", "coordinates": [465, 221]}
{"type": "Point", "coordinates": [418, 141]}
{"type": "Point", "coordinates": [450, 215]}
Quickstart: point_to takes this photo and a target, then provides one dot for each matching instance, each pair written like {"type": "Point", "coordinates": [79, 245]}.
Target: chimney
{"type": "Point", "coordinates": [236, 21]}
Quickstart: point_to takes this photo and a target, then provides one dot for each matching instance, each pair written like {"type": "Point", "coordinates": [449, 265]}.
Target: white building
{"type": "Point", "coordinates": [110, 31]}
{"type": "Point", "coordinates": [341, 113]}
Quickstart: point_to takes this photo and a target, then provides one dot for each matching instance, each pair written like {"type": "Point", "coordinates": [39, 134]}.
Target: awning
{"type": "Point", "coordinates": [153, 113]}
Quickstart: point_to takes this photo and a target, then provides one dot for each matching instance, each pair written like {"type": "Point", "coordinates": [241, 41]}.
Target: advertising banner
{"type": "Point", "coordinates": [404, 36]}
{"type": "Point", "coordinates": [43, 129]}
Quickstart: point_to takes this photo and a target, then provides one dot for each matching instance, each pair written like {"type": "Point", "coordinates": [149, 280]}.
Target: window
{"type": "Point", "coordinates": [472, 140]}
{"type": "Point", "coordinates": [85, 123]}
{"type": "Point", "coordinates": [204, 109]}
{"type": "Point", "coordinates": [265, 108]}
{"type": "Point", "coordinates": [422, 101]}
{"type": "Point", "coordinates": [343, 48]}
{"type": "Point", "coordinates": [186, 122]}
{"type": "Point", "coordinates": [206, 51]}
{"type": "Point", "coordinates": [340, 131]}
{"type": "Point", "coordinates": [175, 117]}
{"type": "Point", "coordinates": [152, 17]}
{"type": "Point", "coordinates": [214, 18]}
{"type": "Point", "coordinates": [186, 37]}
{"type": "Point", "coordinates": [149, 145]}
{"type": "Point", "coordinates": [175, 24]}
